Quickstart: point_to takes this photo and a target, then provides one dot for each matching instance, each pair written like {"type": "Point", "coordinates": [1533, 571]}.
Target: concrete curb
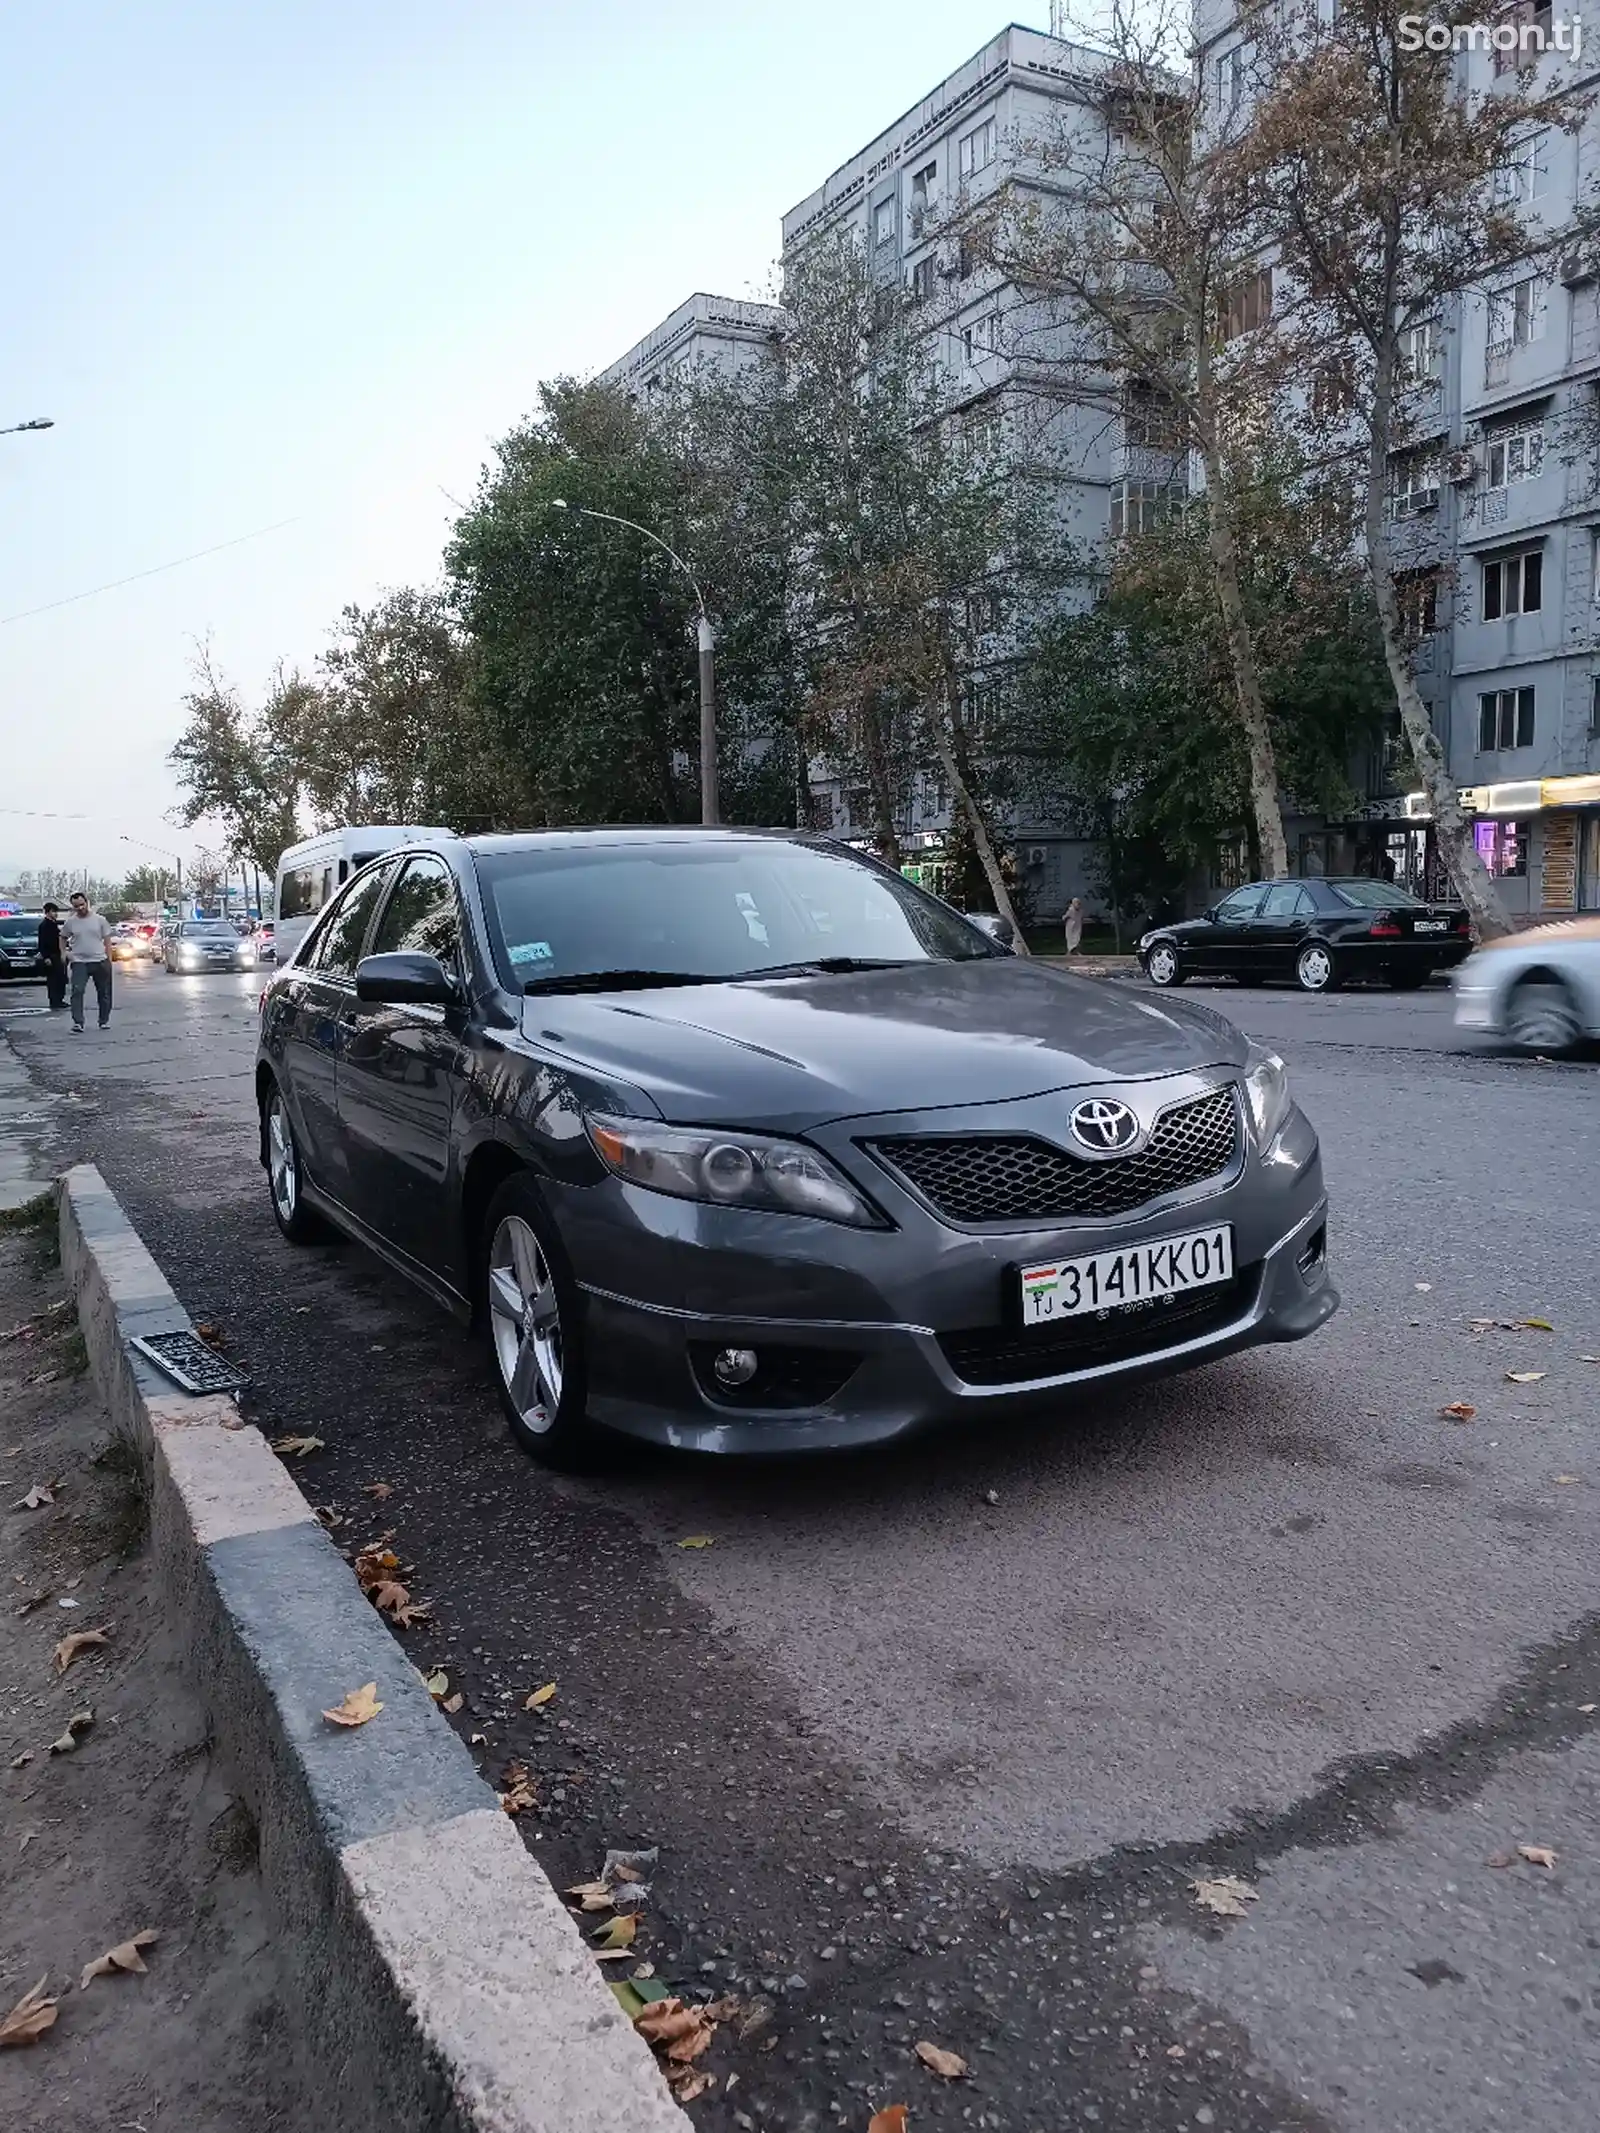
{"type": "Point", "coordinates": [440, 1984]}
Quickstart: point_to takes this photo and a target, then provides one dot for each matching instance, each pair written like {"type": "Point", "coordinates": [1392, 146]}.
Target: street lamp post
{"type": "Point", "coordinates": [705, 639]}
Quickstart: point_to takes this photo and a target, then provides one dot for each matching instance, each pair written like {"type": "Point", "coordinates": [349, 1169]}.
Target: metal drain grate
{"type": "Point", "coordinates": [186, 1359]}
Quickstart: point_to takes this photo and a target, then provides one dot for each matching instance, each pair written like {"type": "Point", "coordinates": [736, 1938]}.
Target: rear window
{"type": "Point", "coordinates": [1376, 896]}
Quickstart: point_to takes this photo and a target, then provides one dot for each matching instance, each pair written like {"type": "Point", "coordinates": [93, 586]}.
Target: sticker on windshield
{"type": "Point", "coordinates": [752, 917]}
{"type": "Point", "coordinates": [531, 952]}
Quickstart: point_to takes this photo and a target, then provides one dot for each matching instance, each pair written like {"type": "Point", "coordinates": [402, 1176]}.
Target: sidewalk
{"type": "Point", "coordinates": [135, 1828]}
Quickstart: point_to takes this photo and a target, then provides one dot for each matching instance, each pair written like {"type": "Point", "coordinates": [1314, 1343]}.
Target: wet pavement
{"type": "Point", "coordinates": [925, 1765]}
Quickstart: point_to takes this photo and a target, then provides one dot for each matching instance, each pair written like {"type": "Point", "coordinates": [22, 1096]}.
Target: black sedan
{"type": "Point", "coordinates": [737, 1140]}
{"type": "Point", "coordinates": [205, 944]}
{"type": "Point", "coordinates": [1321, 933]}
{"type": "Point", "coordinates": [19, 947]}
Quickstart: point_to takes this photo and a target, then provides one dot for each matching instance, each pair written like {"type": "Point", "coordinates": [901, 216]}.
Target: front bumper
{"type": "Point", "coordinates": [901, 1331]}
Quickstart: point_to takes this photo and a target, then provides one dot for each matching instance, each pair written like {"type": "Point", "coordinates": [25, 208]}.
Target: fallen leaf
{"type": "Point", "coordinates": [356, 1708]}
{"type": "Point", "coordinates": [1537, 1855]}
{"type": "Point", "coordinates": [298, 1447]}
{"type": "Point", "coordinates": [1458, 1411]}
{"type": "Point", "coordinates": [211, 1333]}
{"type": "Point", "coordinates": [30, 2018]}
{"type": "Point", "coordinates": [1568, 1481]}
{"type": "Point", "coordinates": [1589, 1359]}
{"type": "Point", "coordinates": [618, 1934]}
{"type": "Point", "coordinates": [520, 1793]}
{"type": "Point", "coordinates": [19, 1762]}
{"type": "Point", "coordinates": [540, 1697]}
{"type": "Point", "coordinates": [81, 1640]}
{"type": "Point", "coordinates": [1225, 1894]}
{"type": "Point", "coordinates": [79, 1722]}
{"type": "Point", "coordinates": [437, 1684]}
{"type": "Point", "coordinates": [452, 1704]}
{"type": "Point", "coordinates": [891, 2119]}
{"type": "Point", "coordinates": [38, 1496]}
{"type": "Point", "coordinates": [698, 1540]}
{"type": "Point", "coordinates": [1536, 1325]}
{"type": "Point", "coordinates": [628, 1998]}
{"type": "Point", "coordinates": [686, 2083]}
{"type": "Point", "coordinates": [124, 1956]}
{"type": "Point", "coordinates": [326, 1515]}
{"type": "Point", "coordinates": [592, 1896]}
{"type": "Point", "coordinates": [391, 1595]}
{"type": "Point", "coordinates": [949, 2065]}
{"type": "Point", "coordinates": [375, 1566]}
{"type": "Point", "coordinates": [1423, 1286]}
{"type": "Point", "coordinates": [412, 1613]}
{"type": "Point", "coordinates": [679, 2033]}
{"type": "Point", "coordinates": [381, 1490]}
{"type": "Point", "coordinates": [1587, 1708]}
{"type": "Point", "coordinates": [1523, 1377]}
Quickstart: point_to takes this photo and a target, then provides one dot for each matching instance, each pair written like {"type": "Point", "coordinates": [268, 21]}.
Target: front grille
{"type": "Point", "coordinates": [1015, 1178]}
{"type": "Point", "coordinates": [1010, 1355]}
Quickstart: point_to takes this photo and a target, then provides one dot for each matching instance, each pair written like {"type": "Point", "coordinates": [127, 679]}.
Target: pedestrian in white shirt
{"type": "Point", "coordinates": [87, 940]}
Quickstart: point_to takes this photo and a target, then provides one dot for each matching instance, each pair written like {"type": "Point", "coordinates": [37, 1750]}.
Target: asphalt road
{"type": "Point", "coordinates": [924, 1765]}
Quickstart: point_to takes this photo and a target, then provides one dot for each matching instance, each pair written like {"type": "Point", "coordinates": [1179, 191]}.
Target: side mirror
{"type": "Point", "coordinates": [1211, 914]}
{"type": "Point", "coordinates": [405, 980]}
{"type": "Point", "coordinates": [997, 928]}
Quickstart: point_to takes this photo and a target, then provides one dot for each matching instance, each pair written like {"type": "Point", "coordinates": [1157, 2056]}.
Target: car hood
{"type": "Point", "coordinates": [796, 1052]}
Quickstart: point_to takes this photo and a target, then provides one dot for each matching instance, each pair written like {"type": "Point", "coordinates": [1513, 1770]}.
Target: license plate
{"type": "Point", "coordinates": [1103, 1281]}
{"type": "Point", "coordinates": [1431, 925]}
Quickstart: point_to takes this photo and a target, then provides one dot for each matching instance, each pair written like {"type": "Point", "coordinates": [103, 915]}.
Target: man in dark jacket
{"type": "Point", "coordinates": [55, 976]}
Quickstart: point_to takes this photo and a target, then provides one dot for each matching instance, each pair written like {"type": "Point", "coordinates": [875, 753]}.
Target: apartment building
{"type": "Point", "coordinates": [1497, 515]}
{"type": "Point", "coordinates": [725, 331]}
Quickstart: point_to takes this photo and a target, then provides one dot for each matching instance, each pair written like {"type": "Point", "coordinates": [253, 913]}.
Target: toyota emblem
{"type": "Point", "coordinates": [1104, 1126]}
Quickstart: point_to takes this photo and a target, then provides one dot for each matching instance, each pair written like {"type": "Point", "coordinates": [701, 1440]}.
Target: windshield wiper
{"type": "Point", "coordinates": [617, 980]}
{"type": "Point", "coordinates": [827, 966]}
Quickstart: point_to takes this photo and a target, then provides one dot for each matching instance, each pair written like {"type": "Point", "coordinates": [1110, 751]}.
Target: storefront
{"type": "Point", "coordinates": [1538, 837]}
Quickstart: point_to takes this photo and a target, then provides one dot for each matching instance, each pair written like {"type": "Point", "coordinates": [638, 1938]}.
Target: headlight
{"type": "Point", "coordinates": [730, 1169]}
{"type": "Point", "coordinates": [1266, 1088]}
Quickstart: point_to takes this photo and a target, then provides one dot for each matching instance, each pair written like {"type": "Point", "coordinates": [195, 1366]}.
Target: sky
{"type": "Point", "coordinates": [281, 276]}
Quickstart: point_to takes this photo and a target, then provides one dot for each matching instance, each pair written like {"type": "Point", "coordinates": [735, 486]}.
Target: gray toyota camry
{"type": "Point", "coordinates": [738, 1141]}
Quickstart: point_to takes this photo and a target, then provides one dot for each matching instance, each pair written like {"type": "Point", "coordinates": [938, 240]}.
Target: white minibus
{"type": "Point", "coordinates": [311, 874]}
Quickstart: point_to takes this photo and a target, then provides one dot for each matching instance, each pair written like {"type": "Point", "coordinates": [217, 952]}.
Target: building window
{"type": "Point", "coordinates": [977, 149]}
{"type": "Point", "coordinates": [1417, 591]}
{"type": "Point", "coordinates": [1505, 719]}
{"type": "Point", "coordinates": [1420, 351]}
{"type": "Point", "coordinates": [1513, 455]}
{"type": "Point", "coordinates": [922, 184]}
{"type": "Point", "coordinates": [981, 338]}
{"type": "Point", "coordinates": [980, 706]}
{"type": "Point", "coordinates": [1521, 175]}
{"type": "Point", "coordinates": [1516, 320]}
{"type": "Point", "coordinates": [1249, 304]}
{"type": "Point", "coordinates": [919, 286]}
{"type": "Point", "coordinates": [1513, 584]}
{"type": "Point", "coordinates": [985, 613]}
{"type": "Point", "coordinates": [1416, 484]}
{"type": "Point", "coordinates": [1594, 707]}
{"type": "Point", "coordinates": [883, 222]}
{"type": "Point", "coordinates": [1151, 420]}
{"type": "Point", "coordinates": [1533, 18]}
{"type": "Point", "coordinates": [1140, 506]}
{"type": "Point", "coordinates": [1502, 846]}
{"type": "Point", "coordinates": [1232, 71]}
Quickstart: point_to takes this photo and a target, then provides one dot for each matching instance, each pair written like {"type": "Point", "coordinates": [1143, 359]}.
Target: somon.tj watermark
{"type": "Point", "coordinates": [1518, 30]}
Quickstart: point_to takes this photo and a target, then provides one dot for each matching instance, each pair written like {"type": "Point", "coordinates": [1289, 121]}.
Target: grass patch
{"type": "Point", "coordinates": [35, 1214]}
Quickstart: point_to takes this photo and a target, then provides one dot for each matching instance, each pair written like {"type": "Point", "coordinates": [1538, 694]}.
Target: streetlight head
{"type": "Point", "coordinates": [558, 503]}
{"type": "Point", "coordinates": [39, 422]}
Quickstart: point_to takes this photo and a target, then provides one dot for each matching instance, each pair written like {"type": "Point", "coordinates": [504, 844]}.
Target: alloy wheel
{"type": "Point", "coordinates": [283, 1167]}
{"type": "Point", "coordinates": [525, 1320]}
{"type": "Point", "coordinates": [1163, 965]}
{"type": "Point", "coordinates": [1314, 970]}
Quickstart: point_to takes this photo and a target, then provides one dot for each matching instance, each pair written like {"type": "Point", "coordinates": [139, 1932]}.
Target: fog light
{"type": "Point", "coordinates": [735, 1366]}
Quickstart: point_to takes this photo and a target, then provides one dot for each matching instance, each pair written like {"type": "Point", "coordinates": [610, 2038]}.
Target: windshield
{"type": "Point", "coordinates": [707, 910]}
{"type": "Point", "coordinates": [209, 929]}
{"type": "Point", "coordinates": [1376, 896]}
{"type": "Point", "coordinates": [19, 929]}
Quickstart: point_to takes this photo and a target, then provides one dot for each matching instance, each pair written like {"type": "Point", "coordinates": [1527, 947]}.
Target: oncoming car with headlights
{"type": "Point", "coordinates": [738, 1141]}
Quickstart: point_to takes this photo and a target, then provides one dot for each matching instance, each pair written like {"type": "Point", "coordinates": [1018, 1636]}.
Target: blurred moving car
{"type": "Point", "coordinates": [130, 943]}
{"type": "Point", "coordinates": [1320, 932]}
{"type": "Point", "coordinates": [20, 960]}
{"type": "Point", "coordinates": [263, 941]}
{"type": "Point", "coordinates": [206, 944]}
{"type": "Point", "coordinates": [1539, 989]}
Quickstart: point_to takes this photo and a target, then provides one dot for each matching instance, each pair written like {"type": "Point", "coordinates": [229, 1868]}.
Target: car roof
{"type": "Point", "coordinates": [639, 833]}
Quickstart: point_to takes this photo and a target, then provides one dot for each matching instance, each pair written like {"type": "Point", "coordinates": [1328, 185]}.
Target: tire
{"type": "Point", "coordinates": [1541, 1017]}
{"type": "Point", "coordinates": [299, 1223]}
{"type": "Point", "coordinates": [1163, 967]}
{"type": "Point", "coordinates": [1406, 980]}
{"type": "Point", "coordinates": [533, 1327]}
{"type": "Point", "coordinates": [1315, 969]}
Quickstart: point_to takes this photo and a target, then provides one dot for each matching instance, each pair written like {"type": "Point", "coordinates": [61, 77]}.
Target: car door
{"type": "Point", "coordinates": [317, 1002]}
{"type": "Point", "coordinates": [1278, 929]}
{"type": "Point", "coordinates": [1224, 945]}
{"type": "Point", "coordinates": [400, 1078]}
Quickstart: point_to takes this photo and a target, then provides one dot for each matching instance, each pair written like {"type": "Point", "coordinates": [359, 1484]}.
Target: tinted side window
{"type": "Point", "coordinates": [421, 916]}
{"type": "Point", "coordinates": [1285, 899]}
{"type": "Point", "coordinates": [1241, 904]}
{"type": "Point", "coordinates": [299, 893]}
{"type": "Point", "coordinates": [338, 948]}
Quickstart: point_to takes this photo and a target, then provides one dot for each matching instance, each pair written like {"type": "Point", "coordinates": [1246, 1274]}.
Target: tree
{"type": "Point", "coordinates": [146, 885]}
{"type": "Point", "coordinates": [1377, 178]}
{"type": "Point", "coordinates": [1140, 303]}
{"type": "Point", "coordinates": [236, 768]}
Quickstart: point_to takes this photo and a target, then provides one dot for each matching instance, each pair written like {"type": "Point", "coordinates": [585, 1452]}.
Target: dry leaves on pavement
{"type": "Point", "coordinates": [357, 1707]}
{"type": "Point", "coordinates": [79, 1722]}
{"type": "Point", "coordinates": [437, 1684]}
{"type": "Point", "coordinates": [1523, 1377]}
{"type": "Point", "coordinates": [33, 2014]}
{"type": "Point", "coordinates": [1225, 1894]}
{"type": "Point", "coordinates": [891, 2119]}
{"type": "Point", "coordinates": [298, 1447]}
{"type": "Point", "coordinates": [379, 1490]}
{"type": "Point", "coordinates": [617, 1936]}
{"type": "Point", "coordinates": [42, 1493]}
{"type": "Point", "coordinates": [124, 1956]}
{"type": "Point", "coordinates": [1538, 1855]}
{"type": "Point", "coordinates": [698, 1540]}
{"type": "Point", "coordinates": [520, 1793]}
{"type": "Point", "coordinates": [1458, 1411]}
{"type": "Point", "coordinates": [81, 1640]}
{"type": "Point", "coordinates": [540, 1697]}
{"type": "Point", "coordinates": [950, 2066]}
{"type": "Point", "coordinates": [1536, 1325]}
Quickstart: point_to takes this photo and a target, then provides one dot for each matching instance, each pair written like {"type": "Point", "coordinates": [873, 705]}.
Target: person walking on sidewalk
{"type": "Point", "coordinates": [89, 953]}
{"type": "Point", "coordinates": [1072, 925]}
{"type": "Point", "coordinates": [52, 948]}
